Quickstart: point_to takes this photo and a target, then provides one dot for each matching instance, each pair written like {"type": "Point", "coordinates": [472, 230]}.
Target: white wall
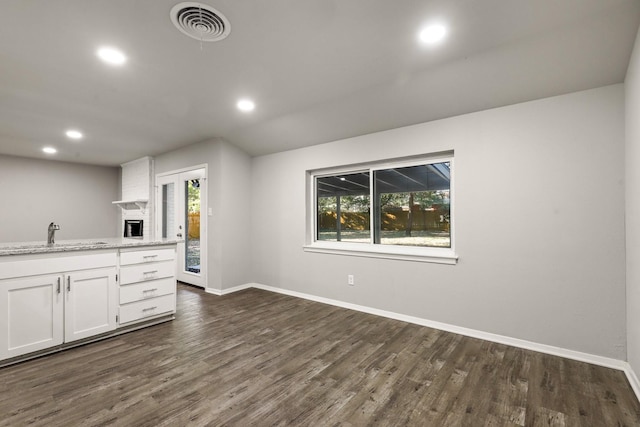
{"type": "Point", "coordinates": [235, 216]}
{"type": "Point", "coordinates": [77, 197]}
{"type": "Point", "coordinates": [229, 172]}
{"type": "Point", "coordinates": [539, 224]}
{"type": "Point", "coordinates": [632, 172]}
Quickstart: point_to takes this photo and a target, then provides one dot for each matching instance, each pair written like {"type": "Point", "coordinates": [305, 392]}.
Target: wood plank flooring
{"type": "Point", "coordinates": [264, 359]}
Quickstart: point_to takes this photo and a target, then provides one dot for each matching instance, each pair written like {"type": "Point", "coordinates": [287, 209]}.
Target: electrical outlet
{"type": "Point", "coordinates": [350, 280]}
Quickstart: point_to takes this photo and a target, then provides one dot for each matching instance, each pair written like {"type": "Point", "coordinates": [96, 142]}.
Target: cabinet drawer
{"type": "Point", "coordinates": [57, 262]}
{"type": "Point", "coordinates": [146, 290]}
{"type": "Point", "coordinates": [145, 272]}
{"type": "Point", "coordinates": [151, 255]}
{"type": "Point", "coordinates": [140, 310]}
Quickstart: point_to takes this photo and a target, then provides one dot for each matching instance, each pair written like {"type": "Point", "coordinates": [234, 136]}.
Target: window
{"type": "Point", "coordinates": [343, 207]}
{"type": "Point", "coordinates": [392, 210]}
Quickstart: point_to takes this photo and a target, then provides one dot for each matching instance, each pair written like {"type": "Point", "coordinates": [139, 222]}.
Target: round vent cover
{"type": "Point", "coordinates": [200, 21]}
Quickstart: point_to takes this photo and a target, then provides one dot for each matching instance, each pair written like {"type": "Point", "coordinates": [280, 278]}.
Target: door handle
{"type": "Point", "coordinates": [68, 283]}
{"type": "Point", "coordinates": [58, 288]}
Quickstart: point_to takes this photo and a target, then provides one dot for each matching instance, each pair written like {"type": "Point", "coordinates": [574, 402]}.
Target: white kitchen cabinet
{"type": "Point", "coordinates": [138, 256]}
{"type": "Point", "coordinates": [78, 299]}
{"type": "Point", "coordinates": [148, 289]}
{"type": "Point", "coordinates": [147, 284]}
{"type": "Point", "coordinates": [91, 303]}
{"type": "Point", "coordinates": [32, 315]}
{"type": "Point", "coordinates": [52, 301]}
{"type": "Point", "coordinates": [146, 308]}
{"type": "Point", "coordinates": [147, 271]}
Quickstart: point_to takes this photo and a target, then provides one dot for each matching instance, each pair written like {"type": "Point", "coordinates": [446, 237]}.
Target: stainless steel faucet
{"type": "Point", "coordinates": [51, 235]}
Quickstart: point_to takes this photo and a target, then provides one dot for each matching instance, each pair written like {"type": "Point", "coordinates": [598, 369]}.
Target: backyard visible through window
{"type": "Point", "coordinates": [343, 208]}
{"type": "Point", "coordinates": [413, 205]}
{"type": "Point", "coordinates": [192, 226]}
{"type": "Point", "coordinates": [405, 206]}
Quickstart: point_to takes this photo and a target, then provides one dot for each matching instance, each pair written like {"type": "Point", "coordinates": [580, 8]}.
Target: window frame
{"type": "Point", "coordinates": [375, 250]}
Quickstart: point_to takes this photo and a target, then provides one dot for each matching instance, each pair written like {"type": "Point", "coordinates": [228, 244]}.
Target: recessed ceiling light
{"type": "Point", "coordinates": [74, 134]}
{"type": "Point", "coordinates": [111, 56]}
{"type": "Point", "coordinates": [246, 105]}
{"type": "Point", "coordinates": [49, 150]}
{"type": "Point", "coordinates": [433, 34]}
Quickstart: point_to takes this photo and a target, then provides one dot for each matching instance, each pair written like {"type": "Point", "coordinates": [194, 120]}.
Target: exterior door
{"type": "Point", "coordinates": [181, 214]}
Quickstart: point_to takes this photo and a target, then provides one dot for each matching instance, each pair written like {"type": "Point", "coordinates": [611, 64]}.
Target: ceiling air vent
{"type": "Point", "coordinates": [200, 21]}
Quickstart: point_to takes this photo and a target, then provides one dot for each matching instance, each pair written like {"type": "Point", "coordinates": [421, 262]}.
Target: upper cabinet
{"type": "Point", "coordinates": [137, 184]}
{"type": "Point", "coordinates": [137, 181]}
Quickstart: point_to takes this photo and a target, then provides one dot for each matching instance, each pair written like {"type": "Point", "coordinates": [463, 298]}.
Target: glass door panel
{"type": "Point", "coordinates": [192, 226]}
{"type": "Point", "coordinates": [168, 210]}
{"type": "Point", "coordinates": [181, 201]}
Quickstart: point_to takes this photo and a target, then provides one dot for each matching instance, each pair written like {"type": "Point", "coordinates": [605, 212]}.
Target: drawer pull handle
{"type": "Point", "coordinates": [150, 256]}
{"type": "Point", "coordinates": [150, 272]}
{"type": "Point", "coordinates": [149, 309]}
{"type": "Point", "coordinates": [150, 290]}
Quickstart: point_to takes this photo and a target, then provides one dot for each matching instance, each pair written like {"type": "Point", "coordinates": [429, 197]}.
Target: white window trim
{"type": "Point", "coordinates": [371, 250]}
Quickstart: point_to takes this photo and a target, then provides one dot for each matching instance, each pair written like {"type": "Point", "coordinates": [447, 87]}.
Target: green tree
{"type": "Point", "coordinates": [388, 201]}
{"type": "Point", "coordinates": [355, 203]}
{"type": "Point", "coordinates": [193, 196]}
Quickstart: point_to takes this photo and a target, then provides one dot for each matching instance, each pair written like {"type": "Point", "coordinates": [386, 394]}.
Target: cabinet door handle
{"type": "Point", "coordinates": [68, 283]}
{"type": "Point", "coordinates": [58, 288]}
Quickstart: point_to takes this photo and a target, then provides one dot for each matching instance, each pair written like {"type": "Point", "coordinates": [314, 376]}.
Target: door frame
{"type": "Point", "coordinates": [204, 226]}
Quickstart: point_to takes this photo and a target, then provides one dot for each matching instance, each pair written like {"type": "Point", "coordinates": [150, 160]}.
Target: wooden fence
{"type": "Point", "coordinates": [194, 225]}
{"type": "Point", "coordinates": [391, 221]}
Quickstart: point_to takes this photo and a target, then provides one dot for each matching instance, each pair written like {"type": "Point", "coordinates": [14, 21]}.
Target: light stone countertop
{"type": "Point", "coordinates": [41, 247]}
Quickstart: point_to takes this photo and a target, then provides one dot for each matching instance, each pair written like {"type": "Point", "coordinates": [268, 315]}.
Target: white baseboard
{"type": "Point", "coordinates": [474, 333]}
{"type": "Point", "coordinates": [606, 362]}
{"type": "Point", "coordinates": [227, 291]}
{"type": "Point", "coordinates": [633, 379]}
{"type": "Point", "coordinates": [237, 288]}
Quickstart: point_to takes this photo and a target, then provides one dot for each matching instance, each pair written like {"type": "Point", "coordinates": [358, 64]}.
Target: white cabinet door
{"type": "Point", "coordinates": [31, 313]}
{"type": "Point", "coordinates": [91, 303]}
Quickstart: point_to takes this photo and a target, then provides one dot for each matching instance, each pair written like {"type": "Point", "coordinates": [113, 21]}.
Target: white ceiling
{"type": "Point", "coordinates": [318, 70]}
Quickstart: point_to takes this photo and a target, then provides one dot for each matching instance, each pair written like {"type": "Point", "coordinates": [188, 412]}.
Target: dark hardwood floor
{"type": "Point", "coordinates": [259, 358]}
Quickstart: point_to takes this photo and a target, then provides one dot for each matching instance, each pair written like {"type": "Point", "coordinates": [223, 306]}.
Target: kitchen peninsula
{"type": "Point", "coordinates": [72, 292]}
